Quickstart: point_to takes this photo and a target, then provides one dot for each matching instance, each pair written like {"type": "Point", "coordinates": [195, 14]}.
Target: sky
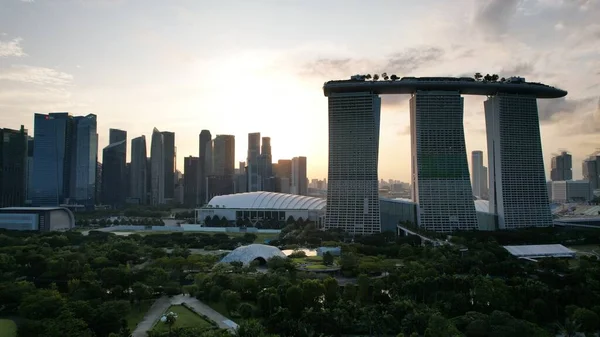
{"type": "Point", "coordinates": [239, 66]}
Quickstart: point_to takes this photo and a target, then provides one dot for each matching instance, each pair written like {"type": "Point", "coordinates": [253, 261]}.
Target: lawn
{"type": "Point", "coordinates": [8, 328]}
{"type": "Point", "coordinates": [185, 319]}
{"type": "Point", "coordinates": [137, 313]}
{"type": "Point", "coordinates": [260, 237]}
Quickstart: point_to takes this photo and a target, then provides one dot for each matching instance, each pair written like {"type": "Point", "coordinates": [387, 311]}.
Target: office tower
{"type": "Point", "coordinates": [478, 175]}
{"type": "Point", "coordinates": [265, 165]}
{"type": "Point", "coordinates": [138, 170]}
{"type": "Point", "coordinates": [591, 170]}
{"type": "Point", "coordinates": [52, 157]}
{"type": "Point", "coordinates": [205, 142]}
{"type": "Point", "coordinates": [283, 172]}
{"type": "Point", "coordinates": [353, 195]}
{"type": "Point", "coordinates": [191, 173]}
{"type": "Point", "coordinates": [299, 180]}
{"type": "Point", "coordinates": [157, 159]}
{"type": "Point", "coordinates": [518, 192]}
{"type": "Point", "coordinates": [240, 183]}
{"type": "Point", "coordinates": [149, 179]}
{"type": "Point", "coordinates": [114, 170]}
{"type": "Point", "coordinates": [252, 162]}
{"type": "Point", "coordinates": [13, 167]}
{"type": "Point", "coordinates": [169, 157]}
{"type": "Point", "coordinates": [30, 145]}
{"type": "Point", "coordinates": [571, 191]}
{"type": "Point", "coordinates": [561, 167]}
{"type": "Point", "coordinates": [98, 192]}
{"type": "Point", "coordinates": [85, 157]}
{"type": "Point", "coordinates": [440, 173]}
{"type": "Point", "coordinates": [224, 155]}
{"type": "Point", "coordinates": [116, 135]}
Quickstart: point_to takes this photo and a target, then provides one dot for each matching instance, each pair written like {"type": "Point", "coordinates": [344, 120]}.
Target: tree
{"type": "Point", "coordinates": [294, 299]}
{"type": "Point", "coordinates": [232, 300]}
{"type": "Point", "coordinates": [569, 329]}
{"type": "Point", "coordinates": [587, 318]}
{"type": "Point", "coordinates": [246, 310]}
{"type": "Point", "coordinates": [327, 259]}
{"type": "Point", "coordinates": [290, 220]}
{"type": "Point", "coordinates": [250, 328]}
{"type": "Point", "coordinates": [43, 303]}
{"type": "Point", "coordinates": [224, 222]}
{"type": "Point", "coordinates": [439, 326]}
{"type": "Point", "coordinates": [331, 290]}
{"type": "Point", "coordinates": [170, 319]}
{"type": "Point", "coordinates": [495, 77]}
{"type": "Point", "coordinates": [208, 221]}
{"type": "Point", "coordinates": [478, 76]}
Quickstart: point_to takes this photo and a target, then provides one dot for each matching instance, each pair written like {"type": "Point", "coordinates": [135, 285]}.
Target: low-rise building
{"type": "Point", "coordinates": [43, 219]}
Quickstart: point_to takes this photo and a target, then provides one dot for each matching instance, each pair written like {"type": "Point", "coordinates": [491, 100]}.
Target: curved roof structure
{"type": "Point", "coordinates": [247, 254]}
{"type": "Point", "coordinates": [267, 200]}
{"type": "Point", "coordinates": [466, 86]}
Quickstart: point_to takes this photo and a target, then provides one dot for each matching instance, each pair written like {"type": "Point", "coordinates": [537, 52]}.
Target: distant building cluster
{"type": "Point", "coordinates": [59, 166]}
{"type": "Point", "coordinates": [563, 189]}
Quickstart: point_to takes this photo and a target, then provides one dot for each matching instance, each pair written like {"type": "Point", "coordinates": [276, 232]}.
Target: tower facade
{"type": "Point", "coordinates": [85, 149]}
{"type": "Point", "coordinates": [170, 155]}
{"type": "Point", "coordinates": [440, 173]}
{"type": "Point", "coordinates": [205, 164]}
{"type": "Point", "coordinates": [299, 184]}
{"type": "Point", "coordinates": [13, 167]}
{"type": "Point", "coordinates": [114, 169]}
{"type": "Point", "coordinates": [479, 177]}
{"type": "Point", "coordinates": [352, 195]}
{"type": "Point", "coordinates": [561, 167]}
{"type": "Point", "coordinates": [518, 191]}
{"type": "Point", "coordinates": [138, 170]}
{"type": "Point", "coordinates": [157, 168]}
{"type": "Point", "coordinates": [191, 173]}
{"type": "Point", "coordinates": [252, 161]}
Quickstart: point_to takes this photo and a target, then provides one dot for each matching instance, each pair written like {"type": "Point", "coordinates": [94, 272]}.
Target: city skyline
{"type": "Point", "coordinates": [196, 85]}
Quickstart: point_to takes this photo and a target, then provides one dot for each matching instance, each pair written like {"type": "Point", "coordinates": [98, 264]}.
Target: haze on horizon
{"type": "Point", "coordinates": [237, 66]}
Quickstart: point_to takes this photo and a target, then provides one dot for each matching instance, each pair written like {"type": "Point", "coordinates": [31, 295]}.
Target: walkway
{"type": "Point", "coordinates": [163, 303]}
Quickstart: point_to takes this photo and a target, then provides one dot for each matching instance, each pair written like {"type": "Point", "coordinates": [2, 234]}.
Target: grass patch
{"type": "Point", "coordinates": [137, 313]}
{"type": "Point", "coordinates": [185, 319]}
{"type": "Point", "coordinates": [8, 328]}
{"type": "Point", "coordinates": [317, 266]}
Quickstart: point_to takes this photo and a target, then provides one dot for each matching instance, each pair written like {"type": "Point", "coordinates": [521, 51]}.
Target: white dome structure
{"type": "Point", "coordinates": [247, 254]}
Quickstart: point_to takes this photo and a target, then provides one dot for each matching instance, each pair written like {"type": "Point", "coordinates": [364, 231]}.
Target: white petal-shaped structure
{"type": "Point", "coordinates": [247, 254]}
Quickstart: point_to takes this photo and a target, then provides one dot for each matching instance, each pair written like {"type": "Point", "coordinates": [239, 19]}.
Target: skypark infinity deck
{"type": "Point", "coordinates": [464, 85]}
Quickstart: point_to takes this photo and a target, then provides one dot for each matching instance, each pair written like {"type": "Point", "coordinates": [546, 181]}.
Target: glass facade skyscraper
{"type": "Point", "coordinates": [441, 185]}
{"type": "Point", "coordinates": [517, 191]}
{"type": "Point", "coordinates": [157, 168]}
{"type": "Point", "coordinates": [138, 170]}
{"type": "Point", "coordinates": [85, 156]}
{"type": "Point", "coordinates": [52, 158]}
{"type": "Point", "coordinates": [13, 167]}
{"type": "Point", "coordinates": [353, 191]}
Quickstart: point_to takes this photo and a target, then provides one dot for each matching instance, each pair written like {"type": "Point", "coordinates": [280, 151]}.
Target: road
{"type": "Point", "coordinates": [163, 303]}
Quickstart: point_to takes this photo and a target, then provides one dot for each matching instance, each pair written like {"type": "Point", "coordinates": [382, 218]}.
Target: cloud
{"type": "Point", "coordinates": [519, 69]}
{"type": "Point", "coordinates": [409, 60]}
{"type": "Point", "coordinates": [493, 16]}
{"type": "Point", "coordinates": [553, 110]}
{"type": "Point", "coordinates": [35, 75]}
{"type": "Point", "coordinates": [11, 48]}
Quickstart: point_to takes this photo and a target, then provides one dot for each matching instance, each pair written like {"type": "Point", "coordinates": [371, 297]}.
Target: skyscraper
{"type": "Point", "coordinates": [440, 173]}
{"type": "Point", "coordinates": [85, 147]}
{"type": "Point", "coordinates": [191, 173]}
{"type": "Point", "coordinates": [170, 154]}
{"type": "Point", "coordinates": [205, 159]}
{"type": "Point", "coordinates": [299, 184]}
{"type": "Point", "coordinates": [52, 158]}
{"type": "Point", "coordinates": [221, 181]}
{"type": "Point", "coordinates": [138, 170]}
{"type": "Point", "coordinates": [13, 167]}
{"type": "Point", "coordinates": [591, 170]}
{"type": "Point", "coordinates": [283, 172]}
{"type": "Point", "coordinates": [114, 165]}
{"type": "Point", "coordinates": [157, 159]}
{"type": "Point", "coordinates": [561, 167]}
{"type": "Point", "coordinates": [353, 193]}
{"type": "Point", "coordinates": [30, 146]}
{"type": "Point", "coordinates": [265, 165]}
{"type": "Point", "coordinates": [518, 191]}
{"type": "Point", "coordinates": [252, 162]}
{"type": "Point", "coordinates": [478, 175]}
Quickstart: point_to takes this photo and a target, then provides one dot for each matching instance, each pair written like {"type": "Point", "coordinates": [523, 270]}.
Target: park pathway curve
{"type": "Point", "coordinates": [163, 303]}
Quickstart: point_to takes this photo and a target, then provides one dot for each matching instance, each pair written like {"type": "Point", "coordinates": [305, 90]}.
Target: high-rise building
{"type": "Point", "coordinates": [224, 155]}
{"type": "Point", "coordinates": [478, 175]}
{"type": "Point", "coordinates": [98, 192]}
{"type": "Point", "coordinates": [283, 172]}
{"type": "Point", "coordinates": [205, 158]}
{"type": "Point", "coordinates": [52, 153]}
{"type": "Point", "coordinates": [191, 174]}
{"type": "Point", "coordinates": [265, 165]}
{"type": "Point", "coordinates": [30, 145]}
{"type": "Point", "coordinates": [240, 184]}
{"type": "Point", "coordinates": [13, 167]}
{"type": "Point", "coordinates": [561, 167]}
{"type": "Point", "coordinates": [114, 170]}
{"type": "Point", "coordinates": [138, 170]}
{"type": "Point", "coordinates": [353, 194]}
{"type": "Point", "coordinates": [170, 156]}
{"type": "Point", "coordinates": [440, 173]}
{"type": "Point", "coordinates": [518, 193]}
{"type": "Point", "coordinates": [85, 147]}
{"type": "Point", "coordinates": [299, 184]}
{"type": "Point", "coordinates": [252, 162]}
{"type": "Point", "coordinates": [157, 171]}
{"type": "Point", "coordinates": [591, 170]}
{"type": "Point", "coordinates": [571, 191]}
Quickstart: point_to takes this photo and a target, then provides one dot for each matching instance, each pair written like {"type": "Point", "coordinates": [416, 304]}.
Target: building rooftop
{"type": "Point", "coordinates": [267, 200]}
{"type": "Point", "coordinates": [465, 85]}
{"type": "Point", "coordinates": [539, 251]}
